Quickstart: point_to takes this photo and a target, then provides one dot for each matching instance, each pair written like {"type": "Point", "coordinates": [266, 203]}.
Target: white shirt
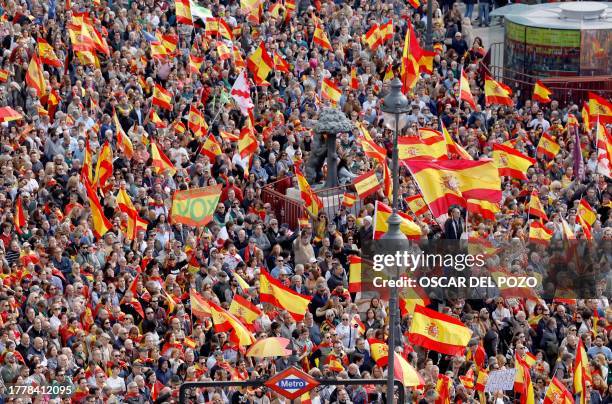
{"type": "Point", "coordinates": [347, 334]}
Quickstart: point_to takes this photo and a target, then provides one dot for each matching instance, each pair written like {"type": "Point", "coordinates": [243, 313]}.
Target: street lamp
{"type": "Point", "coordinates": [395, 109]}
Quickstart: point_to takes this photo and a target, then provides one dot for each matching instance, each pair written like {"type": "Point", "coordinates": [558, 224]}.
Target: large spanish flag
{"type": "Point", "coordinates": [47, 54]}
{"type": "Point", "coordinates": [511, 162]}
{"type": "Point", "coordinates": [431, 147]}
{"type": "Point", "coordinates": [604, 149]}
{"type": "Point", "coordinates": [225, 322]}
{"type": "Point", "coordinates": [443, 388]}
{"type": "Point", "coordinates": [453, 148]}
{"type": "Point", "coordinates": [587, 213]}
{"type": "Point", "coordinates": [600, 106]}
{"type": "Point", "coordinates": [35, 77]}
{"type": "Point", "coordinates": [547, 146]}
{"type": "Point", "coordinates": [19, 219]}
{"type": "Point", "coordinates": [244, 309]}
{"type": "Point", "coordinates": [416, 204]}
{"type": "Point", "coordinates": [320, 38]}
{"type": "Point", "coordinates": [382, 213]}
{"type": "Point", "coordinates": [195, 63]}
{"type": "Point", "coordinates": [372, 38]}
{"type": "Point", "coordinates": [273, 292]}
{"type": "Point", "coordinates": [195, 207]}
{"type": "Point", "coordinates": [410, 69]}
{"type": "Point", "coordinates": [366, 184]}
{"type": "Point", "coordinates": [557, 393]}
{"type": "Point", "coordinates": [373, 150]}
{"type": "Point", "coordinates": [162, 97]}
{"type": "Point", "coordinates": [330, 91]}
{"type": "Point", "coordinates": [160, 162]}
{"type": "Point", "coordinates": [445, 183]}
{"type": "Point", "coordinates": [582, 373]}
{"type": "Point", "coordinates": [354, 285]}
{"type": "Point", "coordinates": [535, 207]}
{"type": "Point", "coordinates": [438, 332]}
{"type": "Point", "coordinates": [104, 166]}
{"type": "Point", "coordinates": [405, 373]}
{"type": "Point", "coordinates": [538, 233]}
{"type": "Point", "coordinates": [465, 93]}
{"type": "Point", "coordinates": [497, 93]}
{"type": "Point", "coordinates": [410, 298]}
{"type": "Point", "coordinates": [100, 224]}
{"type": "Point", "coordinates": [8, 114]}
{"type": "Point", "coordinates": [211, 148]}
{"type": "Point", "coordinates": [541, 93]}
{"type": "Point", "coordinates": [260, 63]}
{"type": "Point", "coordinates": [379, 350]}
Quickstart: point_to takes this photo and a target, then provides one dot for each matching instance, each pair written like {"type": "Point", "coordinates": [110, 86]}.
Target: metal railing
{"type": "Point", "coordinates": [333, 198]}
{"type": "Point", "coordinates": [183, 399]}
{"type": "Point", "coordinates": [285, 209]}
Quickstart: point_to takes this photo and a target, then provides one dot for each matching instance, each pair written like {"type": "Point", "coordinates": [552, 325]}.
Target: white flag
{"type": "Point", "coordinates": [241, 93]}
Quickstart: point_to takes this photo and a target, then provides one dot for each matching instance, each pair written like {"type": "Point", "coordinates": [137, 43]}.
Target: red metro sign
{"type": "Point", "coordinates": [292, 383]}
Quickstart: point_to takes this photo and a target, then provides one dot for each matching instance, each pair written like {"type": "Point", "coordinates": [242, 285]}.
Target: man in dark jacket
{"type": "Point", "coordinates": [453, 227]}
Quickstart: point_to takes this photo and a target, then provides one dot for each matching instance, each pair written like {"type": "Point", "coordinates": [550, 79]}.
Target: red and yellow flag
{"type": "Point", "coordinates": [443, 388]}
{"type": "Point", "coordinates": [100, 224]}
{"type": "Point", "coordinates": [604, 149]}
{"type": "Point", "coordinates": [453, 148]}
{"type": "Point", "coordinates": [410, 298]}
{"type": "Point", "coordinates": [485, 209]}
{"type": "Point", "coordinates": [465, 93]}
{"type": "Point", "coordinates": [354, 285]}
{"type": "Point", "coordinates": [19, 218]}
{"type": "Point", "coordinates": [417, 204]}
{"type": "Point", "coordinates": [312, 202]}
{"type": "Point", "coordinates": [224, 321]}
{"type": "Point", "coordinates": [497, 93]}
{"type": "Point", "coordinates": [405, 373]}
{"type": "Point", "coordinates": [535, 207]}
{"type": "Point", "coordinates": [211, 148]}
{"type": "Point", "coordinates": [511, 162]}
{"type": "Point", "coordinates": [196, 122]}
{"type": "Point", "coordinates": [183, 12]}
{"type": "Point", "coordinates": [410, 69]}
{"type": "Point", "coordinates": [273, 292]}
{"type": "Point", "coordinates": [372, 38]}
{"type": "Point", "coordinates": [4, 75]}
{"type": "Point", "coordinates": [438, 332]}
{"type": "Point", "coordinates": [557, 393]}
{"type": "Point", "coordinates": [582, 373]}
{"type": "Point", "coordinates": [366, 184]}
{"type": "Point", "coordinates": [587, 212]}
{"type": "Point", "coordinates": [162, 97]}
{"type": "Point", "coordinates": [195, 63]}
{"type": "Point", "coordinates": [223, 51]}
{"type": "Point", "coordinates": [348, 200]}
{"type": "Point", "coordinates": [86, 170]}
{"type": "Point", "coordinates": [244, 309]}
{"type": "Point", "coordinates": [538, 233]}
{"type": "Point", "coordinates": [218, 26]}
{"type": "Point", "coordinates": [199, 306]}
{"type": "Point", "coordinates": [445, 183]}
{"type": "Point", "coordinates": [47, 54]}
{"type": "Point", "coordinates": [379, 350]}
{"type": "Point", "coordinates": [260, 63]}
{"type": "Point", "coordinates": [600, 106]}
{"type": "Point", "coordinates": [155, 119]}
{"type": "Point", "coordinates": [34, 76]}
{"type": "Point", "coordinates": [585, 116]}
{"type": "Point", "coordinates": [123, 141]}
{"type": "Point", "coordinates": [160, 162]}
{"type": "Point", "coordinates": [320, 38]}
{"type": "Point", "coordinates": [104, 166]}
{"type": "Point", "coordinates": [354, 79]}
{"type": "Point", "coordinates": [547, 146]}
{"type": "Point", "coordinates": [382, 213]}
{"type": "Point", "coordinates": [195, 207]}
{"type": "Point", "coordinates": [330, 91]}
{"type": "Point", "coordinates": [541, 93]}
{"type": "Point", "coordinates": [432, 147]}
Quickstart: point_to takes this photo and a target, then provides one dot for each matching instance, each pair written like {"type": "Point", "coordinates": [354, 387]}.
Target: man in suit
{"type": "Point", "coordinates": [453, 227]}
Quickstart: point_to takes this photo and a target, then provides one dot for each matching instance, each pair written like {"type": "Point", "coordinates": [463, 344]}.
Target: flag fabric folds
{"type": "Point", "coordinates": [497, 93]}
{"type": "Point", "coordinates": [600, 107]}
{"type": "Point", "coordinates": [312, 202]}
{"type": "Point", "coordinates": [535, 207]}
{"type": "Point", "coordinates": [273, 292]}
{"type": "Point", "coordinates": [195, 207]}
{"type": "Point", "coordinates": [557, 393]}
{"type": "Point", "coordinates": [104, 166]}
{"type": "Point", "coordinates": [366, 184]}
{"type": "Point", "coordinates": [547, 146]}
{"type": "Point", "coordinates": [465, 94]}
{"type": "Point", "coordinates": [47, 54]}
{"type": "Point", "coordinates": [438, 332]}
{"type": "Point", "coordinates": [405, 373]}
{"type": "Point", "coordinates": [416, 204]}
{"type": "Point", "coordinates": [160, 162]}
{"type": "Point", "coordinates": [432, 147]}
{"type": "Point", "coordinates": [162, 97]}
{"type": "Point", "coordinates": [260, 63]}
{"type": "Point", "coordinates": [34, 76]}
{"type": "Point", "coordinates": [241, 93]}
{"type": "Point", "coordinates": [453, 148]}
{"type": "Point", "coordinates": [604, 149]}
{"type": "Point", "coordinates": [19, 218]}
{"type": "Point", "coordinates": [538, 233]}
{"type": "Point", "coordinates": [511, 162]}
{"type": "Point", "coordinates": [330, 91]}
{"type": "Point", "coordinates": [541, 93]}
{"type": "Point", "coordinates": [320, 38]}
{"type": "Point", "coordinates": [382, 212]}
{"type": "Point", "coordinates": [354, 285]}
{"type": "Point", "coordinates": [100, 224]}
{"type": "Point", "coordinates": [586, 212]}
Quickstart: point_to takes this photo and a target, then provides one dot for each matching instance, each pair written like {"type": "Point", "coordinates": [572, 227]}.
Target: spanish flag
{"type": "Point", "coordinates": [196, 122]}
{"type": "Point", "coordinates": [225, 322]}
{"type": "Point", "coordinates": [445, 183]}
{"type": "Point", "coordinates": [547, 146]}
{"type": "Point", "coordinates": [104, 166]}
{"type": "Point", "coordinates": [87, 163]}
{"type": "Point", "coordinates": [199, 306]}
{"type": "Point", "coordinates": [485, 209]}
{"type": "Point", "coordinates": [535, 207]}
{"type": "Point", "coordinates": [557, 393]}
{"type": "Point", "coordinates": [497, 93]}
{"type": "Point", "coordinates": [538, 233]}
{"type": "Point", "coordinates": [273, 292]}
{"type": "Point", "coordinates": [211, 148]}
{"type": "Point", "coordinates": [373, 150]}
{"type": "Point", "coordinates": [354, 79]}
{"type": "Point", "coordinates": [354, 285]}
{"type": "Point", "coordinates": [438, 332]}
{"type": "Point", "coordinates": [410, 69]}
{"type": "Point", "coordinates": [599, 106]}
{"type": "Point", "coordinates": [330, 91]}
{"type": "Point", "coordinates": [433, 147]}
{"type": "Point", "coordinates": [19, 219]}
{"type": "Point", "coordinates": [585, 116]}
{"type": "Point", "coordinates": [280, 64]}
{"type": "Point", "coordinates": [511, 162]}
{"type": "Point", "coordinates": [379, 350]}
{"type": "Point", "coordinates": [311, 201]}
{"type": "Point", "coordinates": [4, 75]}
{"type": "Point", "coordinates": [541, 93]}
{"type": "Point", "coordinates": [409, 298]}
{"type": "Point", "coordinates": [195, 63]}
{"type": "Point", "coordinates": [47, 54]}
{"type": "Point", "coordinates": [183, 12]}
{"type": "Point", "coordinates": [260, 63]}
{"type": "Point", "coordinates": [348, 199]}
{"type": "Point", "coordinates": [373, 38]}
{"type": "Point", "coordinates": [465, 93]}
{"type": "Point", "coordinates": [100, 224]}
{"type": "Point", "coordinates": [587, 212]}
{"type": "Point", "coordinates": [382, 213]}
{"type": "Point", "coordinates": [582, 373]}
{"type": "Point", "coordinates": [483, 376]}
{"type": "Point", "coordinates": [170, 42]}
{"type": "Point", "coordinates": [247, 142]}
{"type": "Point", "coordinates": [124, 202]}
{"type": "Point", "coordinates": [443, 388]}
{"type": "Point", "coordinates": [244, 309]}
{"type": "Point", "coordinates": [453, 148]}
{"type": "Point", "coordinates": [123, 141]}
{"type": "Point", "coordinates": [386, 31]}
{"type": "Point", "coordinates": [223, 51]}
{"type": "Point", "coordinates": [160, 162]}
{"type": "Point", "coordinates": [405, 373]}
{"type": "Point", "coordinates": [527, 394]}
{"type": "Point", "coordinates": [366, 184]}
{"type": "Point", "coordinates": [162, 97]}
{"type": "Point", "coordinates": [218, 26]}
{"type": "Point", "coordinates": [320, 38]}
{"type": "Point", "coordinates": [416, 204]}
{"type": "Point", "coordinates": [568, 232]}
{"type": "Point", "coordinates": [239, 62]}
{"type": "Point", "coordinates": [35, 77]}
{"type": "Point", "coordinates": [8, 114]}
{"type": "Point", "coordinates": [155, 119]}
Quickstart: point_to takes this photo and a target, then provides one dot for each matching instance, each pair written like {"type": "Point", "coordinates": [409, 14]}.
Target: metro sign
{"type": "Point", "coordinates": [292, 383]}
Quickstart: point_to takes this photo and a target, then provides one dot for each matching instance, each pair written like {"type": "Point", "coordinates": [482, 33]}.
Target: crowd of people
{"type": "Point", "coordinates": [109, 319]}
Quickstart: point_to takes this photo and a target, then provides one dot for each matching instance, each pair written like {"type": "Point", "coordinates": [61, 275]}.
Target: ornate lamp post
{"type": "Point", "coordinates": [395, 108]}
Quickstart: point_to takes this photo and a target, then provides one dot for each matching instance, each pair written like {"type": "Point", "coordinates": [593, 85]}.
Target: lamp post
{"type": "Point", "coordinates": [429, 30]}
{"type": "Point", "coordinates": [395, 108]}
